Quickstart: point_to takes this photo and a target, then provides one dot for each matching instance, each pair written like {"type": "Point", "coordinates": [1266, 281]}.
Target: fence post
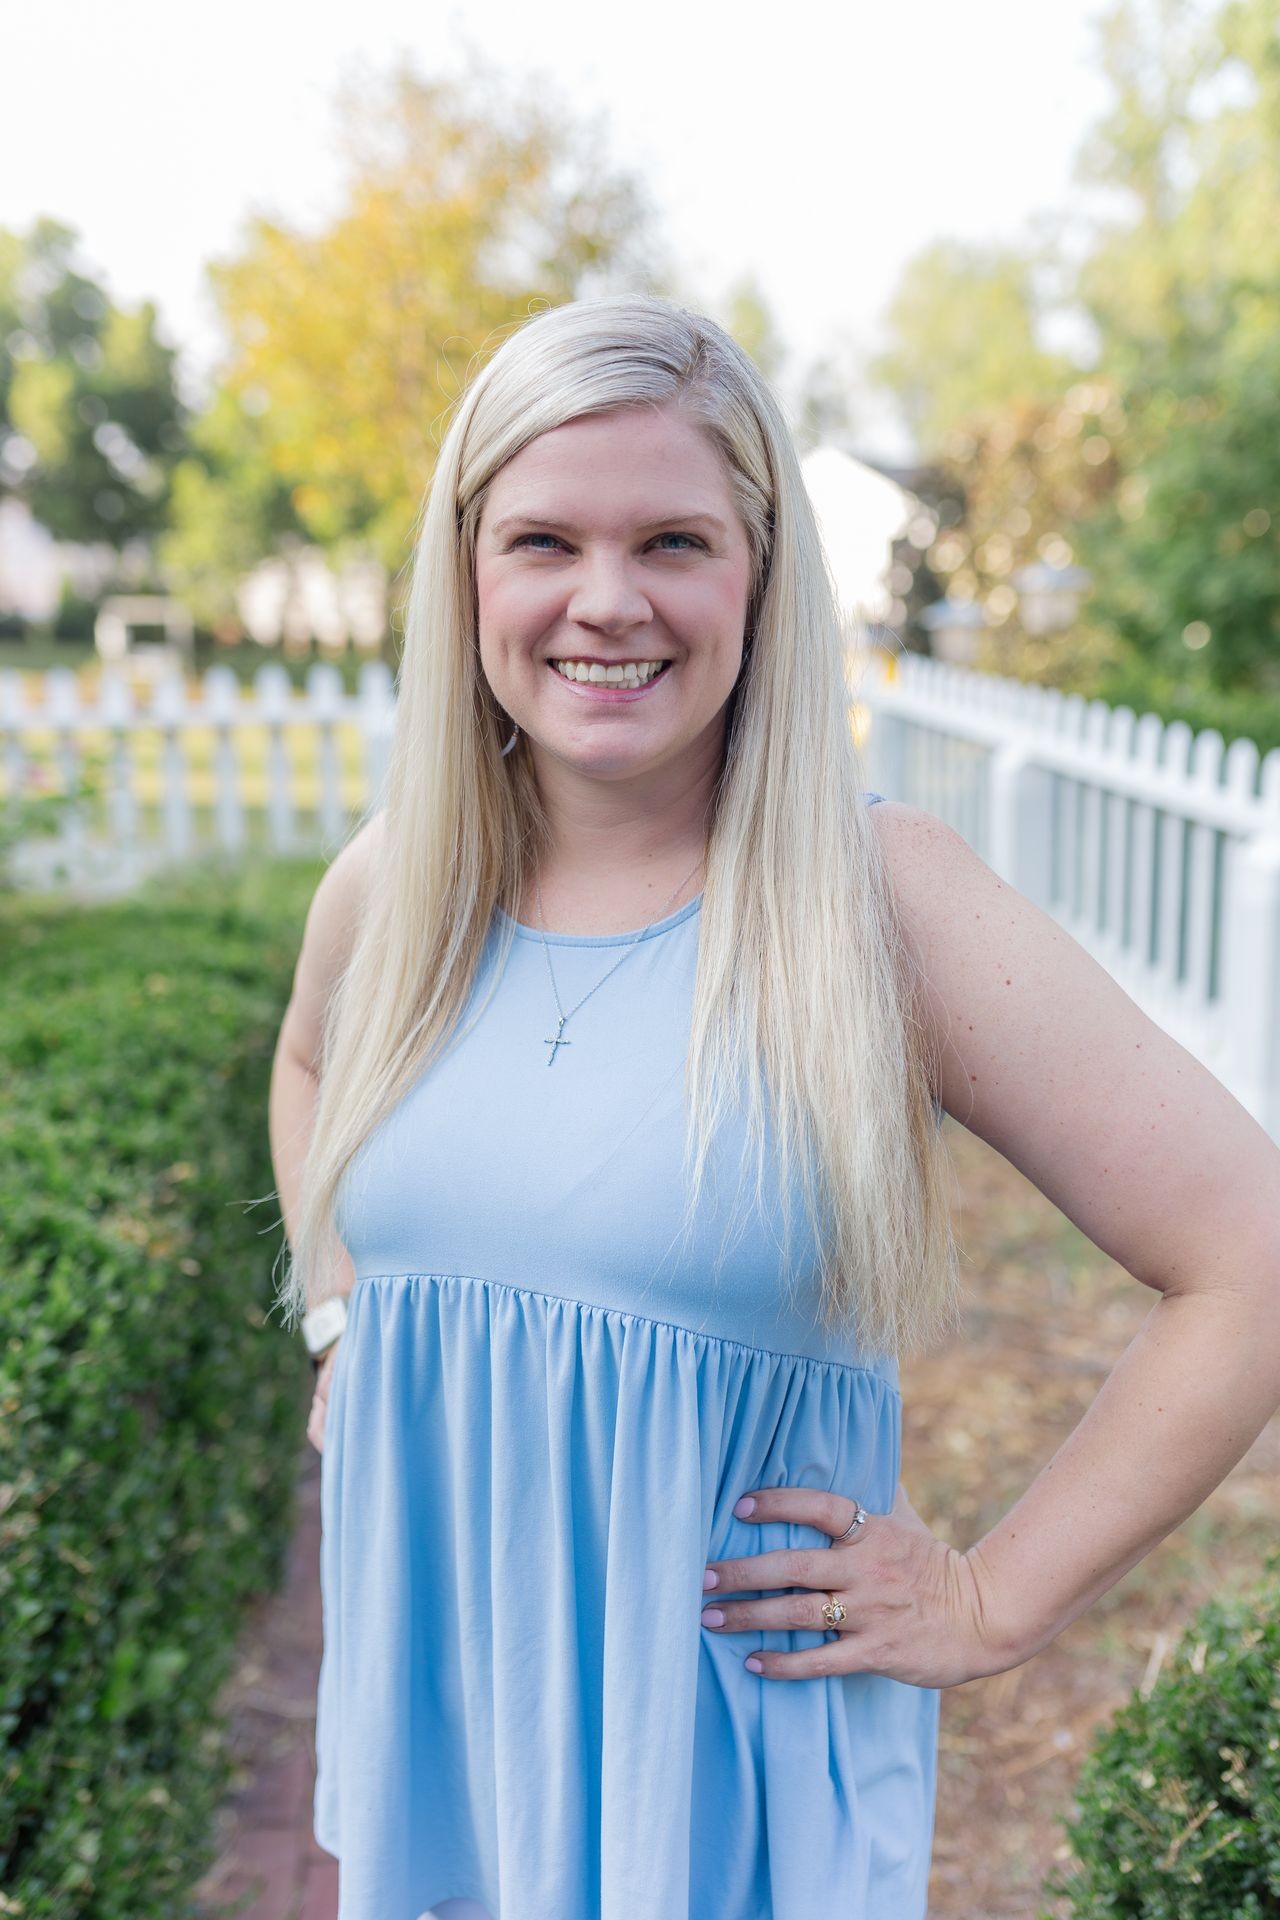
{"type": "Point", "coordinates": [327, 700]}
{"type": "Point", "coordinates": [1020, 812]}
{"type": "Point", "coordinates": [1251, 974]}
{"type": "Point", "coordinates": [883, 758]}
{"type": "Point", "coordinates": [376, 718]}
{"type": "Point", "coordinates": [222, 710]}
{"type": "Point", "coordinates": [169, 711]}
{"type": "Point", "coordinates": [275, 702]}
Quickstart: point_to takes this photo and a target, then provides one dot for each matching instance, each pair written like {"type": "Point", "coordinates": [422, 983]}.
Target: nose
{"type": "Point", "coordinates": [606, 595]}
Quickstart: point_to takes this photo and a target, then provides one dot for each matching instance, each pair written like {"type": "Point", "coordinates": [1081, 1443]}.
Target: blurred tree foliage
{"type": "Point", "coordinates": [749, 318]}
{"type": "Point", "coordinates": [91, 424]}
{"type": "Point", "coordinates": [963, 328]}
{"type": "Point", "coordinates": [1152, 458]}
{"type": "Point", "coordinates": [1185, 298]}
{"type": "Point", "coordinates": [231, 505]}
{"type": "Point", "coordinates": [466, 206]}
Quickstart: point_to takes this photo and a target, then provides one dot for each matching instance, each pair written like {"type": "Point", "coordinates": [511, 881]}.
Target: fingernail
{"type": "Point", "coordinates": [744, 1507]}
{"type": "Point", "coordinates": [753, 1665]}
{"type": "Point", "coordinates": [712, 1617]}
{"type": "Point", "coordinates": [710, 1579]}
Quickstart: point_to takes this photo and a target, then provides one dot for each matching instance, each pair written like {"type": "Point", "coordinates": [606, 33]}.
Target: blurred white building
{"type": "Point", "coordinates": [860, 513]}
{"type": "Point", "coordinates": [30, 571]}
{"type": "Point", "coordinates": [33, 564]}
{"type": "Point", "coordinates": [295, 597]}
{"type": "Point", "coordinates": [289, 600]}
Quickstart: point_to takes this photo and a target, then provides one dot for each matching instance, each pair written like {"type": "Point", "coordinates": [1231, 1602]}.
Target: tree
{"type": "Point", "coordinates": [91, 425]}
{"type": "Point", "coordinates": [1185, 297]}
{"type": "Point", "coordinates": [825, 408]}
{"type": "Point", "coordinates": [1156, 463]}
{"type": "Point", "coordinates": [963, 341]}
{"type": "Point", "coordinates": [229, 507]}
{"type": "Point", "coordinates": [1010, 439]}
{"type": "Point", "coordinates": [749, 319]}
{"type": "Point", "coordinates": [464, 209]}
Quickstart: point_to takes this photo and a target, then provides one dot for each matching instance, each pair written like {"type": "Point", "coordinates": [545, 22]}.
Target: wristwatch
{"type": "Point", "coordinates": [322, 1327]}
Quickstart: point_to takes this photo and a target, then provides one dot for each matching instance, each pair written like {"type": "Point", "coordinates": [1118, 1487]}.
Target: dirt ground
{"type": "Point", "coordinates": [1047, 1316]}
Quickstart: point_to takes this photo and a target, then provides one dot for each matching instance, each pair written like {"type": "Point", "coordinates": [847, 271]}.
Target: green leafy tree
{"type": "Point", "coordinates": [826, 410]}
{"type": "Point", "coordinates": [466, 206]}
{"type": "Point", "coordinates": [91, 424]}
{"type": "Point", "coordinates": [963, 333]}
{"type": "Point", "coordinates": [230, 506]}
{"type": "Point", "coordinates": [1185, 298]}
{"type": "Point", "coordinates": [1154, 460]}
{"type": "Point", "coordinates": [749, 318]}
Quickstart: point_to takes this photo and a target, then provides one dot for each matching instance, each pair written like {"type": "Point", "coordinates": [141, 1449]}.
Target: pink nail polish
{"type": "Point", "coordinates": [712, 1617]}
{"type": "Point", "coordinates": [710, 1579]}
{"type": "Point", "coordinates": [745, 1507]}
{"type": "Point", "coordinates": [753, 1665]}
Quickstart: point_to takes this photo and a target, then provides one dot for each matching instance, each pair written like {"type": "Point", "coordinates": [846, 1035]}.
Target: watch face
{"type": "Point", "coordinates": [322, 1326]}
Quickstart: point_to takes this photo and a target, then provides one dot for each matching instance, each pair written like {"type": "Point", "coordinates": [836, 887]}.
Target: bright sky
{"type": "Point", "coordinates": [816, 146]}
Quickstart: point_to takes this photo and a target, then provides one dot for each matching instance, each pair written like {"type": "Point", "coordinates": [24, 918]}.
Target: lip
{"type": "Point", "coordinates": [606, 696]}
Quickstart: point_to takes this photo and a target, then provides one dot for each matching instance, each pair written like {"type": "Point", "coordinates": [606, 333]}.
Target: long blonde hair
{"type": "Point", "coordinates": [805, 1001]}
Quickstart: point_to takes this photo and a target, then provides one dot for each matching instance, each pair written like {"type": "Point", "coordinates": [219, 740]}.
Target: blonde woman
{"type": "Point", "coordinates": [608, 1099]}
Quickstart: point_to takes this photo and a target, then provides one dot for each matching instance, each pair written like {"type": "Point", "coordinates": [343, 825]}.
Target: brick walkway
{"type": "Point", "coordinates": [268, 1854]}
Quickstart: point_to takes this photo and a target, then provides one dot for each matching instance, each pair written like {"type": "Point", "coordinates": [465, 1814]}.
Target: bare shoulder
{"type": "Point", "coordinates": [333, 919]}
{"type": "Point", "coordinates": [945, 894]}
{"type": "Point", "coordinates": [1043, 1054]}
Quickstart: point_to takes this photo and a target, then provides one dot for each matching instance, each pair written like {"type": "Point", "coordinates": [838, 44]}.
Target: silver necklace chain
{"type": "Point", "coordinates": [557, 1041]}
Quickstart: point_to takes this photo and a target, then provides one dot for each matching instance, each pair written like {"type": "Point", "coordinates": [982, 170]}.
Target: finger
{"type": "Point", "coordinates": [832, 1513]}
{"type": "Point", "coordinates": [793, 1612]}
{"type": "Point", "coordinates": [841, 1655]}
{"type": "Point", "coordinates": [766, 1572]}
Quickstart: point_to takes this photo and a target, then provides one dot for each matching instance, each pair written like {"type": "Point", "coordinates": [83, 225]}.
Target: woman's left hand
{"type": "Point", "coordinates": [914, 1606]}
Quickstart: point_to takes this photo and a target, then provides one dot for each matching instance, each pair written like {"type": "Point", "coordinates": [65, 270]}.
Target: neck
{"type": "Point", "coordinates": [619, 846]}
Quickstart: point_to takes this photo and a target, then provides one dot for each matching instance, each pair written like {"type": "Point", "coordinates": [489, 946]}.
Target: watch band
{"type": "Point", "coordinates": [324, 1325]}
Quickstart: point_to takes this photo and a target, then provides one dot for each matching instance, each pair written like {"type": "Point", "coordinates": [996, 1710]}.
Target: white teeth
{"type": "Point", "coordinates": [631, 673]}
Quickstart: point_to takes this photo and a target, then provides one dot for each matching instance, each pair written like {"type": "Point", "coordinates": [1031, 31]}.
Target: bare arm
{"type": "Point", "coordinates": [331, 924]}
{"type": "Point", "coordinates": [1048, 1060]}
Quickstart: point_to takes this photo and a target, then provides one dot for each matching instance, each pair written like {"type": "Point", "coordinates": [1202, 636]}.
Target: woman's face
{"type": "Point", "coordinates": [612, 545]}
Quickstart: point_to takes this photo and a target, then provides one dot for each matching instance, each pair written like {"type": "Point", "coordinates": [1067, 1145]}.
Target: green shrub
{"type": "Point", "coordinates": [151, 1413]}
{"type": "Point", "coordinates": [1250, 714]}
{"type": "Point", "coordinates": [1178, 1804]}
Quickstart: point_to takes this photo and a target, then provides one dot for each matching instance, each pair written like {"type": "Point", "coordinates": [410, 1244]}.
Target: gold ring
{"type": "Point", "coordinates": [833, 1611]}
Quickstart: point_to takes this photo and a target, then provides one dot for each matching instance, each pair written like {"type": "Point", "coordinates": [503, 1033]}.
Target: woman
{"type": "Point", "coordinates": [628, 927]}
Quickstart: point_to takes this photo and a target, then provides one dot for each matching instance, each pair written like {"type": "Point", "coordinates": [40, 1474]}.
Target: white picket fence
{"type": "Point", "coordinates": [179, 776]}
{"type": "Point", "coordinates": [1157, 849]}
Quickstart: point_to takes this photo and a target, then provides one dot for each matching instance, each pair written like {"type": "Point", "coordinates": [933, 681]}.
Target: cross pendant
{"type": "Point", "coordinates": [557, 1042]}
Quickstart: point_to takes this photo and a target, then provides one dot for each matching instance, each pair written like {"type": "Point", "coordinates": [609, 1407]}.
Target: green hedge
{"type": "Point", "coordinates": [152, 1407]}
{"type": "Point", "coordinates": [1177, 1812]}
{"type": "Point", "coordinates": [1235, 714]}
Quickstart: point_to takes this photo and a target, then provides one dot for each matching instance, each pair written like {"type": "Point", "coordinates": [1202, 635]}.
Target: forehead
{"type": "Point", "coordinates": [632, 461]}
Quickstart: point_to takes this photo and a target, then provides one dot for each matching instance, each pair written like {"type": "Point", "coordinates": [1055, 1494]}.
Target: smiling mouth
{"type": "Point", "coordinates": [628, 675]}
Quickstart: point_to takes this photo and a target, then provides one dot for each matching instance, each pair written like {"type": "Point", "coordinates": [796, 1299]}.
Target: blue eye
{"type": "Point", "coordinates": [525, 539]}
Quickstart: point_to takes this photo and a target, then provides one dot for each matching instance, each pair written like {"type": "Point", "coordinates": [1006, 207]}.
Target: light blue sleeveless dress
{"type": "Point", "coordinates": [542, 1411]}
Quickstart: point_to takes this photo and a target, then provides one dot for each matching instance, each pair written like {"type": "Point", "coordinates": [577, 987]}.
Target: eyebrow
{"type": "Point", "coordinates": [668, 520]}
